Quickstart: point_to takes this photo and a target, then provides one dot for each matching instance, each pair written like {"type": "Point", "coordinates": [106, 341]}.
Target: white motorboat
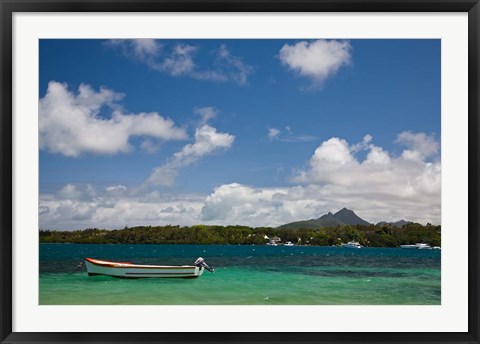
{"type": "Point", "coordinates": [352, 244]}
{"type": "Point", "coordinates": [423, 246]}
{"type": "Point", "coordinates": [417, 246]}
{"type": "Point", "coordinates": [409, 246]}
{"type": "Point", "coordinates": [129, 270]}
{"type": "Point", "coordinates": [289, 243]}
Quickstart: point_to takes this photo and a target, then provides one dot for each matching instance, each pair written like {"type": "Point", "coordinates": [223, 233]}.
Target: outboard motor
{"type": "Point", "coordinates": [200, 262]}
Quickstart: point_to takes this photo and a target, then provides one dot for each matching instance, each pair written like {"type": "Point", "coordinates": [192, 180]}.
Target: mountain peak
{"type": "Point", "coordinates": [349, 217]}
{"type": "Point", "coordinates": [344, 211]}
{"type": "Point", "coordinates": [342, 217]}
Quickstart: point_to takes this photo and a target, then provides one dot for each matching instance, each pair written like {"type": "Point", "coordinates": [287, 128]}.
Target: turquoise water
{"type": "Point", "coordinates": [246, 275]}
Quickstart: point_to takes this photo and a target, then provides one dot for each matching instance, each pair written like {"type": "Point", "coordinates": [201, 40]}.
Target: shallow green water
{"type": "Point", "coordinates": [246, 275]}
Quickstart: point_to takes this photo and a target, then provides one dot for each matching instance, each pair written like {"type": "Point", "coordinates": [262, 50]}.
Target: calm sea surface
{"type": "Point", "coordinates": [246, 275]}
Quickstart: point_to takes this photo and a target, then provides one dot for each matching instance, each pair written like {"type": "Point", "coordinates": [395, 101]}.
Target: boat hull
{"type": "Point", "coordinates": [409, 247]}
{"type": "Point", "coordinates": [127, 270]}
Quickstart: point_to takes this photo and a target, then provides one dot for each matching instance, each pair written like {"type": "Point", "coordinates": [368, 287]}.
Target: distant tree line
{"type": "Point", "coordinates": [367, 235]}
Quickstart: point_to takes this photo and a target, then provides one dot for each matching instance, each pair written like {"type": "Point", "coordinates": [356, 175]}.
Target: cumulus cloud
{"type": "Point", "coordinates": [240, 204]}
{"type": "Point", "coordinates": [70, 123]}
{"type": "Point", "coordinates": [207, 141]}
{"type": "Point", "coordinates": [421, 145]}
{"type": "Point", "coordinates": [411, 186]}
{"type": "Point", "coordinates": [334, 163]}
{"type": "Point", "coordinates": [381, 187]}
{"type": "Point", "coordinates": [180, 60]}
{"type": "Point", "coordinates": [317, 60]}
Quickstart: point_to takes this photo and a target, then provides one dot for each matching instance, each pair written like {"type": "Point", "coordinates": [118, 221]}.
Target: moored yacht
{"type": "Point", "coordinates": [352, 244]}
{"type": "Point", "coordinates": [417, 246]}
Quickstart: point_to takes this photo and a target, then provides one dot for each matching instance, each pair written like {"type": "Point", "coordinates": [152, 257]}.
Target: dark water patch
{"type": "Point", "coordinates": [66, 257]}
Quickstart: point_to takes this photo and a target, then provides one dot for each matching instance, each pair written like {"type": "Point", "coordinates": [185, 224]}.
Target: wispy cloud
{"type": "Point", "coordinates": [287, 135]}
{"type": "Point", "coordinates": [144, 50]}
{"type": "Point", "coordinates": [273, 133]}
{"type": "Point", "coordinates": [316, 60]}
{"type": "Point", "coordinates": [206, 113]}
{"type": "Point", "coordinates": [181, 60]}
{"type": "Point", "coordinates": [233, 66]}
{"type": "Point", "coordinates": [207, 141]}
{"type": "Point", "coordinates": [70, 123]}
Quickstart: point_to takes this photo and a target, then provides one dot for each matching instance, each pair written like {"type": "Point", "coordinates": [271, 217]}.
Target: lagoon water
{"type": "Point", "coordinates": [245, 275]}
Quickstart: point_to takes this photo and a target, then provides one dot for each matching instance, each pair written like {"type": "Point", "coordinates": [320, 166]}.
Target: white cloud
{"type": "Point", "coordinates": [317, 60]}
{"type": "Point", "coordinates": [145, 50]}
{"type": "Point", "coordinates": [362, 145]}
{"type": "Point", "coordinates": [380, 182]}
{"type": "Point", "coordinates": [240, 204]}
{"type": "Point", "coordinates": [232, 66]}
{"type": "Point", "coordinates": [116, 190]}
{"type": "Point", "coordinates": [77, 192]}
{"type": "Point", "coordinates": [150, 146]}
{"type": "Point", "coordinates": [180, 60]}
{"type": "Point", "coordinates": [207, 141]}
{"type": "Point", "coordinates": [277, 134]}
{"type": "Point", "coordinates": [273, 133]}
{"type": "Point", "coordinates": [206, 113]}
{"type": "Point", "coordinates": [69, 191]}
{"type": "Point", "coordinates": [70, 124]}
{"type": "Point", "coordinates": [381, 187]}
{"type": "Point", "coordinates": [422, 146]}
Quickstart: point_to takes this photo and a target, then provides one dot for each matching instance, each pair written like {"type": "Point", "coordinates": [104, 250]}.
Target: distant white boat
{"type": "Point", "coordinates": [409, 246]}
{"type": "Point", "coordinates": [417, 246]}
{"type": "Point", "coordinates": [424, 246]}
{"type": "Point", "coordinates": [352, 244]}
{"type": "Point", "coordinates": [129, 270]}
{"type": "Point", "coordinates": [289, 243]}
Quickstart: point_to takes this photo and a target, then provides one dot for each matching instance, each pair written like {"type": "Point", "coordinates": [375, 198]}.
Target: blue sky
{"type": "Point", "coordinates": [254, 132]}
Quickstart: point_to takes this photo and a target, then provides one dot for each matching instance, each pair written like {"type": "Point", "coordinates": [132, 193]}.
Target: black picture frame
{"type": "Point", "coordinates": [9, 7]}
